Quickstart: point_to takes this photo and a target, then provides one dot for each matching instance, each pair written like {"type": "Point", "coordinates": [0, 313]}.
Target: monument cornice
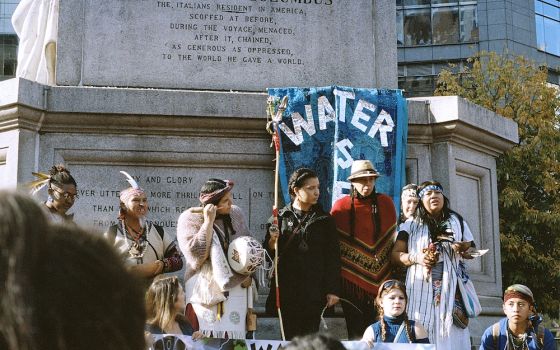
{"type": "Point", "coordinates": [203, 126]}
{"type": "Point", "coordinates": [456, 120]}
{"type": "Point", "coordinates": [20, 117]}
{"type": "Point", "coordinates": [34, 106]}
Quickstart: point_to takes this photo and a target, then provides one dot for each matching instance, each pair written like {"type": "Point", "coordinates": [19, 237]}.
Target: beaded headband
{"type": "Point", "coordinates": [430, 188]}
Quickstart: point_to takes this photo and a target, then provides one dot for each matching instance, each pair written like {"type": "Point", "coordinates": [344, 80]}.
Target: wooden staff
{"type": "Point", "coordinates": [272, 128]}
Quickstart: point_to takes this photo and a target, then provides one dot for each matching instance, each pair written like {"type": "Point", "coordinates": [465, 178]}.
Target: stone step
{"type": "Point", "coordinates": [269, 328]}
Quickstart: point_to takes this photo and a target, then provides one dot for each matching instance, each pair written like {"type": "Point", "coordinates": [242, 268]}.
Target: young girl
{"type": "Point", "coordinates": [393, 325]}
{"type": "Point", "coordinates": [165, 306]}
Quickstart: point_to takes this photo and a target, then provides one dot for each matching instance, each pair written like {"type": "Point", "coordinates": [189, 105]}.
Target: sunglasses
{"type": "Point", "coordinates": [390, 284]}
{"type": "Point", "coordinates": [66, 195]}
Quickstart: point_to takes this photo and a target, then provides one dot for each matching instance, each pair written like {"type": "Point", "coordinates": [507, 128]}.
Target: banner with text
{"type": "Point", "coordinates": [327, 128]}
{"type": "Point", "coordinates": [183, 342]}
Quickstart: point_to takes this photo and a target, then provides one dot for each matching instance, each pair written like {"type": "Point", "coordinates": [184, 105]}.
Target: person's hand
{"type": "Point", "coordinates": [247, 282]}
{"type": "Point", "coordinates": [197, 335]}
{"type": "Point", "coordinates": [460, 247]}
{"type": "Point", "coordinates": [209, 213]}
{"type": "Point", "coordinates": [427, 259]}
{"type": "Point", "coordinates": [332, 300]}
{"type": "Point", "coordinates": [467, 254]}
{"type": "Point", "coordinates": [274, 232]}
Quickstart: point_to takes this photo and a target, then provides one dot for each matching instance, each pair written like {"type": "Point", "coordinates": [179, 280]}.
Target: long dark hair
{"type": "Point", "coordinates": [213, 185]}
{"type": "Point", "coordinates": [434, 223]}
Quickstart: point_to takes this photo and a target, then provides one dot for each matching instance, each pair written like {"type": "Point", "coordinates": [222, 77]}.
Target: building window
{"type": "Point", "coordinates": [8, 56]}
{"type": "Point", "coordinates": [547, 19]}
{"type": "Point", "coordinates": [417, 27]}
{"type": "Point", "coordinates": [445, 21]}
{"type": "Point", "coordinates": [436, 22]}
{"type": "Point", "coordinates": [8, 40]}
{"type": "Point", "coordinates": [469, 24]}
{"type": "Point", "coordinates": [419, 80]}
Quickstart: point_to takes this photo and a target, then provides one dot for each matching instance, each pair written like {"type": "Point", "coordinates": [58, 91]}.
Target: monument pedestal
{"type": "Point", "coordinates": [173, 93]}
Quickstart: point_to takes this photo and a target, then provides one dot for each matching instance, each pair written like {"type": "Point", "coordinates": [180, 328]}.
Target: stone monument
{"type": "Point", "coordinates": [173, 92]}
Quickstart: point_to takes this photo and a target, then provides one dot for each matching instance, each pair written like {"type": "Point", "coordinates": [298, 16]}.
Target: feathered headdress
{"type": "Point", "coordinates": [130, 180]}
{"type": "Point", "coordinates": [133, 190]}
{"type": "Point", "coordinates": [36, 185]}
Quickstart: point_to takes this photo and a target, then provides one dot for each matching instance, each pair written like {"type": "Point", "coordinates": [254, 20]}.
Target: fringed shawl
{"type": "Point", "coordinates": [365, 257]}
{"type": "Point", "coordinates": [200, 254]}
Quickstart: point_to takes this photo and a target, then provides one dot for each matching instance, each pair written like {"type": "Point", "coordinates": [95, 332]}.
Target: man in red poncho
{"type": "Point", "coordinates": [366, 223]}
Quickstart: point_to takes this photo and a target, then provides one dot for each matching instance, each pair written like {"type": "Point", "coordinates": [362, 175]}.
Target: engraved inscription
{"type": "Point", "coordinates": [234, 33]}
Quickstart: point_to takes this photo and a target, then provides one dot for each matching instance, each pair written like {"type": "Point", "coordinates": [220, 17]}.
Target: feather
{"type": "Point", "coordinates": [41, 176]}
{"type": "Point", "coordinates": [36, 185]}
{"type": "Point", "coordinates": [130, 180]}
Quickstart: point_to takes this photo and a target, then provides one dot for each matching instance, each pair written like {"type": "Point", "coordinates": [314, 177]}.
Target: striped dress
{"type": "Point", "coordinates": [430, 306]}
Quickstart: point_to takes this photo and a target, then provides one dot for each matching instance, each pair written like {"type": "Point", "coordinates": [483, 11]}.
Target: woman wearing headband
{"type": "Point", "coordinates": [309, 257]}
{"type": "Point", "coordinates": [215, 292]}
{"type": "Point", "coordinates": [62, 189]}
{"type": "Point", "coordinates": [432, 245]}
{"type": "Point", "coordinates": [409, 202]}
{"type": "Point", "coordinates": [148, 250]}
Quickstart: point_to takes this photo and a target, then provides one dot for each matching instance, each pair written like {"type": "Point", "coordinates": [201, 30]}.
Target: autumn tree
{"type": "Point", "coordinates": [529, 173]}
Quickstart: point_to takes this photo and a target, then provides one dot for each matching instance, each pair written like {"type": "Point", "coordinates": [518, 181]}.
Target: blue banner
{"type": "Point", "coordinates": [327, 128]}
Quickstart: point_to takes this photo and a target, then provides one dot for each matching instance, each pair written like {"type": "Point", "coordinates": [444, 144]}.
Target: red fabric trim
{"type": "Point", "coordinates": [191, 317]}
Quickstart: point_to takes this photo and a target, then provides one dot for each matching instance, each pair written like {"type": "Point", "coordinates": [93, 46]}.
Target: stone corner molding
{"type": "Point", "coordinates": [454, 119]}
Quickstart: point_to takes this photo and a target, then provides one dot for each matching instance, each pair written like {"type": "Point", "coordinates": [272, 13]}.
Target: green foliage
{"type": "Point", "coordinates": [529, 173]}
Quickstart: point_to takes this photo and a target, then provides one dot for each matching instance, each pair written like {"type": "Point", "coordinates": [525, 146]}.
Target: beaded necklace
{"type": "Point", "coordinates": [137, 242]}
{"type": "Point", "coordinates": [517, 342]}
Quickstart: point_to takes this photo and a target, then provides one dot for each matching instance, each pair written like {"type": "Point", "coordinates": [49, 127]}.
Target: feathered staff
{"type": "Point", "coordinates": [272, 128]}
{"type": "Point", "coordinates": [36, 185]}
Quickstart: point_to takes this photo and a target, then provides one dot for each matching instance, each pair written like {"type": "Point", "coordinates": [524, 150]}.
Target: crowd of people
{"type": "Point", "coordinates": [396, 276]}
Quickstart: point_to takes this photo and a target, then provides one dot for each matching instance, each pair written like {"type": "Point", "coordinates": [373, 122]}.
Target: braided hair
{"type": "Point", "coordinates": [378, 300]}
{"type": "Point", "coordinates": [374, 207]}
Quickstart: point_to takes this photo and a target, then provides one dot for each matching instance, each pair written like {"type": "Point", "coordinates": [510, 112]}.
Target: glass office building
{"type": "Point", "coordinates": [433, 33]}
{"type": "Point", "coordinates": [8, 40]}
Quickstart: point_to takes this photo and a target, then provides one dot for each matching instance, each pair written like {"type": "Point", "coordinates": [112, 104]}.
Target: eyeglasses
{"type": "Point", "coordinates": [66, 195]}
